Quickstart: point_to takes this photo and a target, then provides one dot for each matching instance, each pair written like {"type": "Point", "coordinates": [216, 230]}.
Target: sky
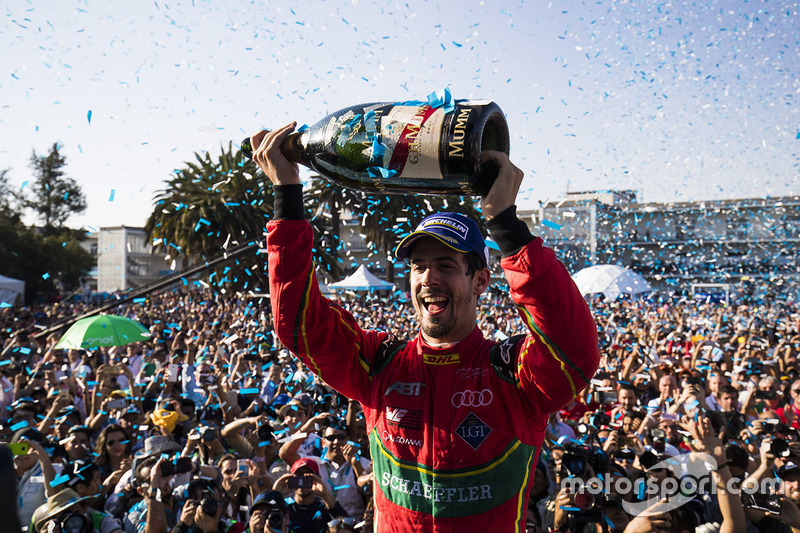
{"type": "Point", "coordinates": [680, 101]}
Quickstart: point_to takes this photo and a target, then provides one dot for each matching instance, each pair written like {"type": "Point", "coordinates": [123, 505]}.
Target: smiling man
{"type": "Point", "coordinates": [456, 421]}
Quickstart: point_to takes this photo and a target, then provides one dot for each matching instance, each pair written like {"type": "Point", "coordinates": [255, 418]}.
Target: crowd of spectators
{"type": "Point", "coordinates": [210, 426]}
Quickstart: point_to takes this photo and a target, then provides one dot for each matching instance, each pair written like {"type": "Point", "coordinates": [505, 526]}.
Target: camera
{"type": "Point", "coordinates": [264, 433]}
{"type": "Point", "coordinates": [275, 520]}
{"type": "Point", "coordinates": [209, 504]}
{"type": "Point", "coordinates": [207, 434]}
{"type": "Point", "coordinates": [659, 437]}
{"type": "Point", "coordinates": [779, 448]}
{"type": "Point", "coordinates": [578, 457]}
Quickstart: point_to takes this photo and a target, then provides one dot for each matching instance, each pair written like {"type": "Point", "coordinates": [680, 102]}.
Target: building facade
{"type": "Point", "coordinates": [125, 259]}
{"type": "Point", "coordinates": [718, 241]}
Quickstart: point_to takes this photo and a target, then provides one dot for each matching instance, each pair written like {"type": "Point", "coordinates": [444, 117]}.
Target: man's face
{"type": "Point", "coordinates": [728, 401]}
{"type": "Point", "coordinates": [791, 486]}
{"type": "Point", "coordinates": [77, 445]}
{"type": "Point", "coordinates": [444, 296]}
{"type": "Point", "coordinates": [335, 440]}
{"type": "Point", "coordinates": [230, 472]}
{"type": "Point", "coordinates": [627, 399]}
{"type": "Point", "coordinates": [795, 392]}
{"type": "Point", "coordinates": [666, 385]}
{"type": "Point", "coordinates": [714, 383]}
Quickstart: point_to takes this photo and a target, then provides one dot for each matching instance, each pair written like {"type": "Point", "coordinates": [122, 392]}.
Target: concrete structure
{"type": "Point", "coordinates": [125, 259]}
{"type": "Point", "coordinates": [706, 241]}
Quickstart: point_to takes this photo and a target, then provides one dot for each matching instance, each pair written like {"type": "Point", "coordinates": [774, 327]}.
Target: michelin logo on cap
{"type": "Point", "coordinates": [460, 229]}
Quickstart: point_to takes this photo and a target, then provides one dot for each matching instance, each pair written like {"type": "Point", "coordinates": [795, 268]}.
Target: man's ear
{"type": "Point", "coordinates": [481, 280]}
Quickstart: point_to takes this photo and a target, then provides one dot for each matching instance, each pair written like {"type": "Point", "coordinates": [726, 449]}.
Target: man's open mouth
{"type": "Point", "coordinates": [435, 303]}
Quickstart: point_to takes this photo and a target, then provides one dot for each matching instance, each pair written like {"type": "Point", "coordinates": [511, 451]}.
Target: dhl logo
{"type": "Point", "coordinates": [450, 359]}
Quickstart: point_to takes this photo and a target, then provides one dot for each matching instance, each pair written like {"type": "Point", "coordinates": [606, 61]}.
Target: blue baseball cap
{"type": "Point", "coordinates": [454, 230]}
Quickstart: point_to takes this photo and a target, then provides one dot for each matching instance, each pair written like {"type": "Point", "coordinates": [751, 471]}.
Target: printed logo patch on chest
{"type": "Point", "coordinates": [449, 359]}
{"type": "Point", "coordinates": [473, 430]}
{"type": "Point", "coordinates": [404, 418]}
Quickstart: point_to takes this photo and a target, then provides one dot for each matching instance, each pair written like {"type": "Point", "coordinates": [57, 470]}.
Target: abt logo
{"type": "Point", "coordinates": [406, 389]}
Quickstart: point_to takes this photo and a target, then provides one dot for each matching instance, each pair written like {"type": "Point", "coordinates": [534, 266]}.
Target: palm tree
{"type": "Point", "coordinates": [383, 219]}
{"type": "Point", "coordinates": [209, 206]}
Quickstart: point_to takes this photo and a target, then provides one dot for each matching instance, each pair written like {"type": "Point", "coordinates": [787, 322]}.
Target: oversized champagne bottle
{"type": "Point", "coordinates": [403, 147]}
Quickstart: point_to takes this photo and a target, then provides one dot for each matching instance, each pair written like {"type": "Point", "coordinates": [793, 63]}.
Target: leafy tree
{"type": "Point", "coordinates": [49, 264]}
{"type": "Point", "coordinates": [53, 196]}
{"type": "Point", "coordinates": [209, 206]}
{"type": "Point", "coordinates": [9, 199]}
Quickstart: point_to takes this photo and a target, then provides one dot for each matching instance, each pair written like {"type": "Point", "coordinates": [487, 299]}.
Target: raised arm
{"type": "Point", "coordinates": [325, 337]}
{"type": "Point", "coordinates": [560, 354]}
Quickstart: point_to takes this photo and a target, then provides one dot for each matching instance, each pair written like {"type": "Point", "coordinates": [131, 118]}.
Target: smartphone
{"type": "Point", "coordinates": [762, 502]}
{"type": "Point", "coordinates": [148, 369]}
{"type": "Point", "coordinates": [766, 395]}
{"type": "Point", "coordinates": [172, 372]}
{"type": "Point", "coordinates": [117, 403]}
{"type": "Point", "coordinates": [18, 448]}
{"type": "Point", "coordinates": [181, 465]}
{"type": "Point", "coordinates": [243, 467]}
{"type": "Point", "coordinates": [300, 482]}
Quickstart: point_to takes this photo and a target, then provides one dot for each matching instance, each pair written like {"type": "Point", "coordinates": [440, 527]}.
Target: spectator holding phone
{"type": "Point", "coordinates": [34, 471]}
{"type": "Point", "coordinates": [314, 505]}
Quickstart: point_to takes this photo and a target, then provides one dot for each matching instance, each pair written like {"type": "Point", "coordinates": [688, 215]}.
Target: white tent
{"type": "Point", "coordinates": [10, 288]}
{"type": "Point", "coordinates": [611, 280]}
{"type": "Point", "coordinates": [361, 280]}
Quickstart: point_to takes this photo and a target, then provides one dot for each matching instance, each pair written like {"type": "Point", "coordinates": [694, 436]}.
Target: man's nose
{"type": "Point", "coordinates": [430, 278]}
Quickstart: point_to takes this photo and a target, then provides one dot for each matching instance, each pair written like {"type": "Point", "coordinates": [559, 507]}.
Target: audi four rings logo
{"type": "Point", "coordinates": [471, 398]}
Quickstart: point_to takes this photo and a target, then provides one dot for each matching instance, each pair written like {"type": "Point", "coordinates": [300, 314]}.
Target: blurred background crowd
{"type": "Point", "coordinates": [210, 425]}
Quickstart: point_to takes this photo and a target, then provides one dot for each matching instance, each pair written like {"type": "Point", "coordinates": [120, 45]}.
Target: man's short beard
{"type": "Point", "coordinates": [438, 331]}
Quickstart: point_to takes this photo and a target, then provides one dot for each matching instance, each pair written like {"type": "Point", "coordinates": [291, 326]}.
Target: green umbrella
{"type": "Point", "coordinates": [102, 330]}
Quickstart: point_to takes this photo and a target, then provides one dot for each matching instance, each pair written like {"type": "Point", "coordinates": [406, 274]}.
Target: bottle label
{"type": "Point", "coordinates": [411, 137]}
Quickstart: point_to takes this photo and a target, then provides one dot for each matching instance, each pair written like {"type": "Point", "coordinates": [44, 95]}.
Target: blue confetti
{"type": "Point", "coordinates": [551, 225]}
{"type": "Point", "coordinates": [59, 480]}
{"type": "Point", "coordinates": [111, 195]}
{"type": "Point", "coordinates": [89, 116]}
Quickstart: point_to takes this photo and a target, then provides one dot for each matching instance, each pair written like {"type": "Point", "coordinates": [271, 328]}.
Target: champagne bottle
{"type": "Point", "coordinates": [403, 147]}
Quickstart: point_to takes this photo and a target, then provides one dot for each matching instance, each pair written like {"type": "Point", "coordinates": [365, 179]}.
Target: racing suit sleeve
{"type": "Point", "coordinates": [560, 354]}
{"type": "Point", "coordinates": [322, 334]}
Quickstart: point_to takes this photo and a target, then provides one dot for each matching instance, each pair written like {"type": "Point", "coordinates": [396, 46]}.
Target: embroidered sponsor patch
{"type": "Point", "coordinates": [449, 359]}
{"type": "Point", "coordinates": [473, 430]}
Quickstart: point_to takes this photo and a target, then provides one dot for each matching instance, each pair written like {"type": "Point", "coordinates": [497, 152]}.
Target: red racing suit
{"type": "Point", "coordinates": [454, 433]}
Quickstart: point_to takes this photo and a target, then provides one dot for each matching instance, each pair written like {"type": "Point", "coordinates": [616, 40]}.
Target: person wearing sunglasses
{"type": "Point", "coordinates": [347, 523]}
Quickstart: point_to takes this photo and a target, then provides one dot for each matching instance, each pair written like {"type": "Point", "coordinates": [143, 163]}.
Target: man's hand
{"type": "Point", "coordinates": [187, 513]}
{"type": "Point", "coordinates": [204, 522]}
{"type": "Point", "coordinates": [267, 155]}
{"type": "Point", "coordinates": [648, 524]}
{"type": "Point", "coordinates": [258, 521]}
{"type": "Point", "coordinates": [503, 193]}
